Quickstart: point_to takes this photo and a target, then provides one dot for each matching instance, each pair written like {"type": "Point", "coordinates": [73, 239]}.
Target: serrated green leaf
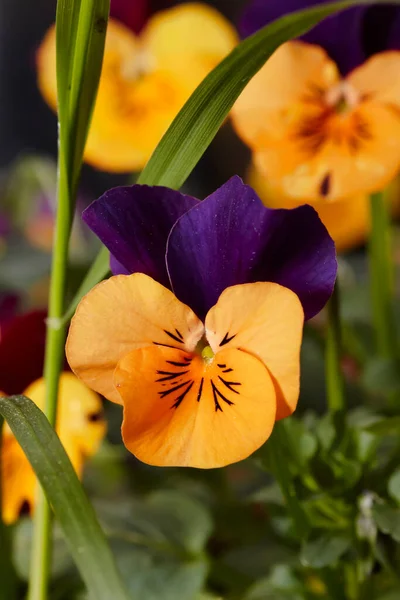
{"type": "Point", "coordinates": [324, 551]}
{"type": "Point", "coordinates": [198, 122]}
{"type": "Point", "coordinates": [83, 534]}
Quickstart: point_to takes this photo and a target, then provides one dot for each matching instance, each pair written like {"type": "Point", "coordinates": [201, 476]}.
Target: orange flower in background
{"type": "Point", "coordinates": [145, 80]}
{"type": "Point", "coordinates": [316, 136]}
{"type": "Point", "coordinates": [81, 428]}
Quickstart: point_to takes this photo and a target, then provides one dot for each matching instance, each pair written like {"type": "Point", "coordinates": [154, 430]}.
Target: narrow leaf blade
{"type": "Point", "coordinates": [83, 534]}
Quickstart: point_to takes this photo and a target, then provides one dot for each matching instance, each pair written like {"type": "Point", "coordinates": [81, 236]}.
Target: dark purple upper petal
{"type": "Point", "coordinates": [134, 223]}
{"type": "Point", "coordinates": [232, 238]}
{"type": "Point", "coordinates": [392, 17]}
{"type": "Point", "coordinates": [341, 35]}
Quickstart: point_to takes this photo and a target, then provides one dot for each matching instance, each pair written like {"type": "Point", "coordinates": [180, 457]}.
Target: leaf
{"type": "Point", "coordinates": [159, 544]}
{"type": "Point", "coordinates": [324, 551]}
{"type": "Point", "coordinates": [394, 486]}
{"type": "Point", "coordinates": [387, 519]}
{"type": "Point", "coordinates": [197, 123]}
{"type": "Point", "coordinates": [83, 534]}
{"type": "Point", "coordinates": [382, 376]}
{"type": "Point", "coordinates": [22, 544]}
{"type": "Point", "coordinates": [80, 31]}
{"type": "Point", "coordinates": [385, 427]}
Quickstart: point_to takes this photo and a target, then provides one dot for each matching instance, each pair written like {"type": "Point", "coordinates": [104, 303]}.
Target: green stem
{"type": "Point", "coordinates": [333, 353]}
{"type": "Point", "coordinates": [54, 358]}
{"type": "Point", "coordinates": [381, 277]}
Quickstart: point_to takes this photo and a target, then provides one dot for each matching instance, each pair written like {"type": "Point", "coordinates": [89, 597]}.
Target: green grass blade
{"type": "Point", "coordinates": [197, 123]}
{"type": "Point", "coordinates": [81, 30]}
{"type": "Point", "coordinates": [83, 534]}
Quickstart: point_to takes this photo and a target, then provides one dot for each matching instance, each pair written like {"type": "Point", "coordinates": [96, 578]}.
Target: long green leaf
{"type": "Point", "coordinates": [197, 123]}
{"type": "Point", "coordinates": [81, 30]}
{"type": "Point", "coordinates": [74, 512]}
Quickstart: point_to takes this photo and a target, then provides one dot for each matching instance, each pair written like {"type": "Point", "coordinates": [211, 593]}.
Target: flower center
{"type": "Point", "coordinates": [142, 64]}
{"type": "Point", "coordinates": [204, 349]}
{"type": "Point", "coordinates": [342, 97]}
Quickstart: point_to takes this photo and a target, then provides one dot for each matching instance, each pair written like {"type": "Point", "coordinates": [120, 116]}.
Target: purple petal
{"type": "Point", "coordinates": [341, 35]}
{"type": "Point", "coordinates": [232, 238]}
{"type": "Point", "coordinates": [391, 16]}
{"type": "Point", "coordinates": [134, 223]}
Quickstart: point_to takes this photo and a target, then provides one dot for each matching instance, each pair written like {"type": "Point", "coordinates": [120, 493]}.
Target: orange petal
{"type": "Point", "coordinates": [266, 320]}
{"type": "Point", "coordinates": [17, 480]}
{"type": "Point", "coordinates": [121, 314]}
{"type": "Point", "coordinates": [273, 98]}
{"type": "Point", "coordinates": [189, 39]}
{"type": "Point", "coordinates": [378, 79]}
{"type": "Point", "coordinates": [183, 411]}
{"type": "Point", "coordinates": [335, 170]}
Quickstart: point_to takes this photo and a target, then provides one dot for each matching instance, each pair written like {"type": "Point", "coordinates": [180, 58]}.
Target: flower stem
{"type": "Point", "coordinates": [54, 358]}
{"type": "Point", "coordinates": [381, 278]}
{"type": "Point", "coordinates": [333, 353]}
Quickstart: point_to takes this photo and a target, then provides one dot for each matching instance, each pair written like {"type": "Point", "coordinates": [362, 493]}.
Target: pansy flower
{"type": "Point", "coordinates": [145, 80]}
{"type": "Point", "coordinates": [80, 422]}
{"type": "Point", "coordinates": [318, 134]}
{"type": "Point", "coordinates": [198, 332]}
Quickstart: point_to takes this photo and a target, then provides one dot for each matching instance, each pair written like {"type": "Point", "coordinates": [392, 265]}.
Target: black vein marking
{"type": "Point", "coordinates": [227, 339]}
{"type": "Point", "coordinates": [229, 384]}
{"type": "Point", "coordinates": [174, 389]}
{"type": "Point", "coordinates": [187, 359]}
{"type": "Point", "coordinates": [222, 366]}
{"type": "Point", "coordinates": [178, 364]}
{"type": "Point", "coordinates": [217, 394]}
{"type": "Point", "coordinates": [182, 396]}
{"type": "Point", "coordinates": [227, 370]}
{"type": "Point", "coordinates": [200, 390]}
{"type": "Point", "coordinates": [325, 185]}
{"type": "Point", "coordinates": [178, 333]}
{"type": "Point", "coordinates": [174, 337]}
{"type": "Point", "coordinates": [169, 375]}
{"type": "Point", "coordinates": [166, 345]}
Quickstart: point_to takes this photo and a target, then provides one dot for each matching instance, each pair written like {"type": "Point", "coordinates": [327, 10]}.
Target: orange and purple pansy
{"type": "Point", "coordinates": [198, 332]}
{"type": "Point", "coordinates": [330, 130]}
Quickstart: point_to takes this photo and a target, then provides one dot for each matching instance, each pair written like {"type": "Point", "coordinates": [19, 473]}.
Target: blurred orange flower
{"type": "Point", "coordinates": [81, 428]}
{"type": "Point", "coordinates": [316, 136]}
{"type": "Point", "coordinates": [145, 80]}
